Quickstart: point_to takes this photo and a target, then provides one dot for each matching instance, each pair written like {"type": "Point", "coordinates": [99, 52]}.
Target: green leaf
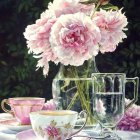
{"type": "Point", "coordinates": [137, 51]}
{"type": "Point", "coordinates": [3, 63]}
{"type": "Point", "coordinates": [132, 46]}
{"type": "Point", "coordinates": [124, 64]}
{"type": "Point", "coordinates": [132, 64]}
{"type": "Point", "coordinates": [86, 2]}
{"type": "Point", "coordinates": [21, 7]}
{"type": "Point", "coordinates": [138, 64]}
{"type": "Point", "coordinates": [109, 6]}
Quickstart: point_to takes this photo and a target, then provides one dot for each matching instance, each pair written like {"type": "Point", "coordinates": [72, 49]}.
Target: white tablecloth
{"type": "Point", "coordinates": [6, 134]}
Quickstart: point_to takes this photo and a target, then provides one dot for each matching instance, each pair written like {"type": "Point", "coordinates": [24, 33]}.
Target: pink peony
{"type": "Point", "coordinates": [49, 105]}
{"type": "Point", "coordinates": [66, 34]}
{"type": "Point", "coordinates": [74, 39]}
{"type": "Point", "coordinates": [69, 7]}
{"type": "Point", "coordinates": [112, 24]}
{"type": "Point", "coordinates": [45, 57]}
{"type": "Point", "coordinates": [131, 119]}
{"type": "Point", "coordinates": [37, 34]}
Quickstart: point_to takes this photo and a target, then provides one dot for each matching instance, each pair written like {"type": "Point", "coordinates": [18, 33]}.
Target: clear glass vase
{"type": "Point", "coordinates": [72, 88]}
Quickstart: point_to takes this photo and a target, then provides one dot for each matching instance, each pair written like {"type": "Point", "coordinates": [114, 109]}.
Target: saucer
{"type": "Point", "coordinates": [125, 135]}
{"type": "Point", "coordinates": [14, 125]}
{"type": "Point", "coordinates": [30, 135]}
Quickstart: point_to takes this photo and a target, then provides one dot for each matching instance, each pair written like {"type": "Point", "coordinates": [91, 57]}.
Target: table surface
{"type": "Point", "coordinates": [7, 134]}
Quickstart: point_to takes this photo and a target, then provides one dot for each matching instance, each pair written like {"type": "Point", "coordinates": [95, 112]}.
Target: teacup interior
{"type": "Point", "coordinates": [56, 113]}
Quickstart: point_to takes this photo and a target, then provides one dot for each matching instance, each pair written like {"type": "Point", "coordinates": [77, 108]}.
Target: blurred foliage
{"type": "Point", "coordinates": [17, 68]}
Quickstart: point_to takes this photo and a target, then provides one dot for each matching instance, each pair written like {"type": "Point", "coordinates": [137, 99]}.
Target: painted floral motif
{"type": "Point", "coordinates": [68, 126]}
{"type": "Point", "coordinates": [40, 131]}
{"type": "Point", "coordinates": [55, 132]}
{"type": "Point", "coordinates": [52, 131]}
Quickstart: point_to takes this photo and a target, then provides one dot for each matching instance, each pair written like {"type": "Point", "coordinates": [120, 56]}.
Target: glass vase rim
{"type": "Point", "coordinates": [108, 73]}
{"type": "Point", "coordinates": [76, 78]}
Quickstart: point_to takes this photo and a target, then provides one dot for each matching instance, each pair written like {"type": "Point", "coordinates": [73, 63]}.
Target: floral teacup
{"type": "Point", "coordinates": [54, 125]}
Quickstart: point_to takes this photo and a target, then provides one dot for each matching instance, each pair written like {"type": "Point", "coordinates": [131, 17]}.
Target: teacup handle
{"type": "Point", "coordinates": [82, 112]}
{"type": "Point", "coordinates": [135, 81]}
{"type": "Point", "coordinates": [5, 101]}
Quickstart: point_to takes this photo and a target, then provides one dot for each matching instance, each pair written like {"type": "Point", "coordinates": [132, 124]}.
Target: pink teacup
{"type": "Point", "coordinates": [22, 106]}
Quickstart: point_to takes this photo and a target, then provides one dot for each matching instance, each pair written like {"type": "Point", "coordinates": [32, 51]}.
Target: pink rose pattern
{"type": "Point", "coordinates": [68, 35]}
{"type": "Point", "coordinates": [58, 133]}
{"type": "Point", "coordinates": [52, 131]}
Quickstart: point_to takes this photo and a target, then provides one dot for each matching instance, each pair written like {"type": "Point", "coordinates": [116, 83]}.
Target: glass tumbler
{"type": "Point", "coordinates": [109, 99]}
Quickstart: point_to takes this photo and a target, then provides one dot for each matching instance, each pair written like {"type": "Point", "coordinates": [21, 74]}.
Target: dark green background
{"type": "Point", "coordinates": [17, 68]}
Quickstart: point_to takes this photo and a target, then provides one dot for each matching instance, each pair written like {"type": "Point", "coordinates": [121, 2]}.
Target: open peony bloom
{"type": "Point", "coordinates": [131, 119]}
{"type": "Point", "coordinates": [38, 40]}
{"type": "Point", "coordinates": [111, 24]}
{"type": "Point", "coordinates": [38, 34]}
{"type": "Point", "coordinates": [74, 39]}
{"type": "Point", "coordinates": [66, 33]}
{"type": "Point", "coordinates": [69, 7]}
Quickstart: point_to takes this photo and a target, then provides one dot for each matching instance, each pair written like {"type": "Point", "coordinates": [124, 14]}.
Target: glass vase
{"type": "Point", "coordinates": [72, 88]}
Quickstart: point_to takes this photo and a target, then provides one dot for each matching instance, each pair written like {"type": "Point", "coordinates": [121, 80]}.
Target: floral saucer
{"type": "Point", "coordinates": [13, 124]}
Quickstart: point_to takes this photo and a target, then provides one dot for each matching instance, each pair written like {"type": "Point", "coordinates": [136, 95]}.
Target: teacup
{"type": "Point", "coordinates": [55, 125]}
{"type": "Point", "coordinates": [22, 106]}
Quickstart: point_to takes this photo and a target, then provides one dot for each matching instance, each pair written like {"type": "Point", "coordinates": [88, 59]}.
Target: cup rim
{"type": "Point", "coordinates": [27, 98]}
{"type": "Point", "coordinates": [51, 111]}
